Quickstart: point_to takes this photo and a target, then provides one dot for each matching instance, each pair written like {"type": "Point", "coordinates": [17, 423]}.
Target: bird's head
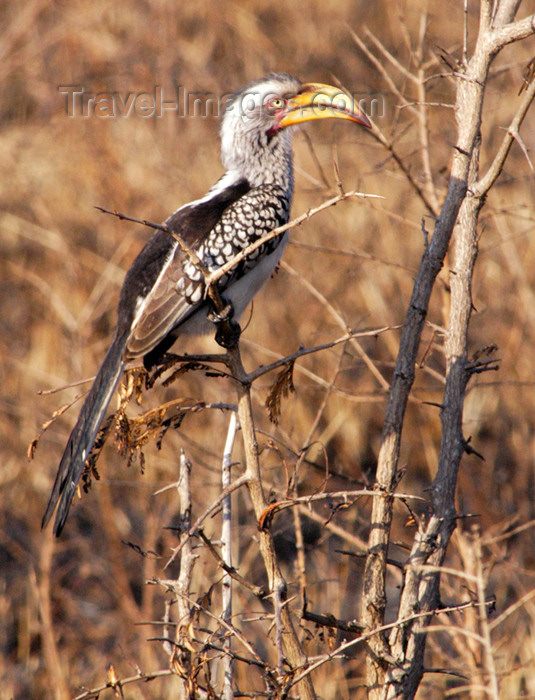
{"type": "Point", "coordinates": [255, 127]}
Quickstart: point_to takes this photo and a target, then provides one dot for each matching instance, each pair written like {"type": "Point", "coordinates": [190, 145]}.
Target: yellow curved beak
{"type": "Point", "coordinates": [317, 101]}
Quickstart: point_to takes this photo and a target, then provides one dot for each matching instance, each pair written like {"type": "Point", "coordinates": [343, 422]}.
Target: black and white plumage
{"type": "Point", "coordinates": [163, 293]}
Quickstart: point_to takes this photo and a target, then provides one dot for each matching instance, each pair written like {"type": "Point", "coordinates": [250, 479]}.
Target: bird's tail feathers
{"type": "Point", "coordinates": [84, 434]}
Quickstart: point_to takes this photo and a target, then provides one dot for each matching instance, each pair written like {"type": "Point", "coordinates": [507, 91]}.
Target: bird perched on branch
{"type": "Point", "coordinates": [164, 292]}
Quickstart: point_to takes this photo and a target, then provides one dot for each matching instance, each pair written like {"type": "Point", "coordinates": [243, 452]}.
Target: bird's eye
{"type": "Point", "coordinates": [274, 105]}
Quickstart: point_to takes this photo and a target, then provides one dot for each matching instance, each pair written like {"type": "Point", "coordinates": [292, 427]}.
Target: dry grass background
{"type": "Point", "coordinates": [68, 608]}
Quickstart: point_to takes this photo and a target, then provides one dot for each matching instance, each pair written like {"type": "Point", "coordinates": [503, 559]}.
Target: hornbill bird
{"type": "Point", "coordinates": [163, 294]}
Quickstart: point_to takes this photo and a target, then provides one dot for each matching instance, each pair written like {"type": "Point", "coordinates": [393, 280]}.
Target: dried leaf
{"type": "Point", "coordinates": [282, 386]}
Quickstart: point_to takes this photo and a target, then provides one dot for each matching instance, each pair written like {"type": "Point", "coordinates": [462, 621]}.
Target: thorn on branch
{"type": "Point", "coordinates": [433, 403]}
{"type": "Point", "coordinates": [516, 135]}
{"type": "Point", "coordinates": [334, 509]}
{"type": "Point", "coordinates": [144, 553]}
{"type": "Point", "coordinates": [466, 516]}
{"type": "Point", "coordinates": [398, 476]}
{"type": "Point", "coordinates": [414, 518]}
{"type": "Point", "coordinates": [330, 620]}
{"type": "Point", "coordinates": [448, 672]}
{"type": "Point", "coordinates": [419, 310]}
{"type": "Point", "coordinates": [348, 553]}
{"type": "Point", "coordinates": [476, 364]}
{"type": "Point", "coordinates": [491, 603]}
{"type": "Point", "coordinates": [258, 591]}
{"type": "Point", "coordinates": [470, 450]}
{"type": "Point", "coordinates": [362, 555]}
{"type": "Point", "coordinates": [449, 59]}
{"type": "Point", "coordinates": [462, 151]}
{"type": "Point", "coordinates": [527, 76]}
{"type": "Point", "coordinates": [426, 235]}
{"type": "Point", "coordinates": [480, 367]}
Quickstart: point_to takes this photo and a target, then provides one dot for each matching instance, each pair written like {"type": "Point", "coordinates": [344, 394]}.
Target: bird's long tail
{"type": "Point", "coordinates": [84, 433]}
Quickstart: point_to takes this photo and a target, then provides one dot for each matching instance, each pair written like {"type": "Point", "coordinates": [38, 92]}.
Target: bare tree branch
{"type": "Point", "coordinates": [239, 482]}
{"type": "Point", "coordinates": [420, 591]}
{"type": "Point", "coordinates": [144, 677]}
{"type": "Point", "coordinates": [226, 547]}
{"type": "Point", "coordinates": [516, 31]}
{"type": "Point", "coordinates": [482, 186]}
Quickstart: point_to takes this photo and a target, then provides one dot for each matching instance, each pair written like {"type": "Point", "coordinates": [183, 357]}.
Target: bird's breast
{"type": "Point", "coordinates": [240, 291]}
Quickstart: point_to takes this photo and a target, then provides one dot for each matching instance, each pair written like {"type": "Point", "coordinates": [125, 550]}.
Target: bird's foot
{"type": "Point", "coordinates": [226, 313]}
{"type": "Point", "coordinates": [228, 331]}
{"type": "Point", "coordinates": [228, 335]}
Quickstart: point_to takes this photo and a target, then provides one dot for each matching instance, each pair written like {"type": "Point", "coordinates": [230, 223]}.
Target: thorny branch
{"type": "Point", "coordinates": [226, 547]}
{"type": "Point", "coordinates": [229, 569]}
{"type": "Point", "coordinates": [322, 620]}
{"type": "Point", "coordinates": [94, 693]}
{"type": "Point", "coordinates": [395, 663]}
{"type": "Point", "coordinates": [170, 585]}
{"type": "Point", "coordinates": [377, 133]}
{"type": "Point", "coordinates": [277, 584]}
{"type": "Point", "coordinates": [180, 655]}
{"type": "Point", "coordinates": [240, 481]}
{"type": "Point", "coordinates": [399, 623]}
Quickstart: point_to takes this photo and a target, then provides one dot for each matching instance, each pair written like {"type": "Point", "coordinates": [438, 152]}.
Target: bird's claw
{"type": "Point", "coordinates": [228, 331]}
{"type": "Point", "coordinates": [226, 313]}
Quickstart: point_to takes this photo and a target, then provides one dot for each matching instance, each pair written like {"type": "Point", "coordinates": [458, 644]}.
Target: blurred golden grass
{"type": "Point", "coordinates": [62, 264]}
